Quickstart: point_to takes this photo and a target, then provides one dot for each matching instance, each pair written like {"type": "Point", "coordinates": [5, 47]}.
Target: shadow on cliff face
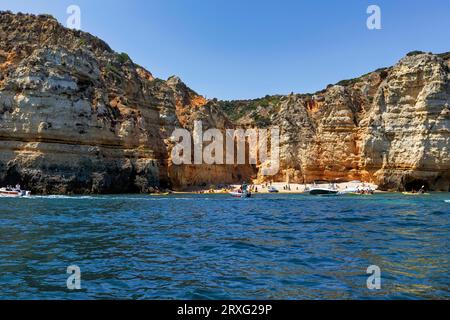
{"type": "Point", "coordinates": [11, 177]}
{"type": "Point", "coordinates": [395, 181]}
{"type": "Point", "coordinates": [86, 177]}
{"type": "Point", "coordinates": [416, 184]}
{"type": "Point", "coordinates": [440, 183]}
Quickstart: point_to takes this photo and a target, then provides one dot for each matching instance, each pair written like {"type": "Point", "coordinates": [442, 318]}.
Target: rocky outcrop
{"type": "Point", "coordinates": [389, 127]}
{"type": "Point", "coordinates": [77, 117]}
{"type": "Point", "coordinates": [188, 108]}
{"type": "Point", "coordinates": [406, 137]}
{"type": "Point", "coordinates": [74, 117]}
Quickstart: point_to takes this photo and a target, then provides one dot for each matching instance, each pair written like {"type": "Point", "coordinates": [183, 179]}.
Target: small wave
{"type": "Point", "coordinates": [448, 201]}
{"type": "Point", "coordinates": [109, 198]}
{"type": "Point", "coordinates": [61, 197]}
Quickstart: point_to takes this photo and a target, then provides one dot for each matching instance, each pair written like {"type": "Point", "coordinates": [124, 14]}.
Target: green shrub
{"type": "Point", "coordinates": [237, 109]}
{"type": "Point", "coordinates": [123, 58]}
{"type": "Point", "coordinates": [112, 68]}
{"type": "Point", "coordinates": [414, 53]}
{"type": "Point", "coordinates": [445, 56]}
{"type": "Point", "coordinates": [348, 82]}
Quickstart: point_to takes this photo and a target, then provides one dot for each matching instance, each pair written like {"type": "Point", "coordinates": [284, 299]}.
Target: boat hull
{"type": "Point", "coordinates": [241, 194]}
{"type": "Point", "coordinates": [323, 192]}
{"type": "Point", "coordinates": [14, 194]}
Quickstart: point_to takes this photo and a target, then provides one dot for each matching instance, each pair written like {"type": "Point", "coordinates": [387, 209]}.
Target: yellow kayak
{"type": "Point", "coordinates": [415, 194]}
{"type": "Point", "coordinates": [159, 194]}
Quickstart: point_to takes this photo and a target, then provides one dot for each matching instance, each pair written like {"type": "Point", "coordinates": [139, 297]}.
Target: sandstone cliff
{"type": "Point", "coordinates": [77, 117]}
{"type": "Point", "coordinates": [390, 127]}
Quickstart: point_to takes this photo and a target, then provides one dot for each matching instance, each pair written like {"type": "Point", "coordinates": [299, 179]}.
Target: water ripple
{"type": "Point", "coordinates": [216, 247]}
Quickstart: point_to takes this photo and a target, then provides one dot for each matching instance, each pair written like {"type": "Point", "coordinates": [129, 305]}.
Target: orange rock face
{"type": "Point", "coordinates": [389, 127]}
{"type": "Point", "coordinates": [76, 117]}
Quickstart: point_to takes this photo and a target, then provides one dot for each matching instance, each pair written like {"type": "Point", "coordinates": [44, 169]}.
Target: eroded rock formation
{"type": "Point", "coordinates": [390, 127]}
{"type": "Point", "coordinates": [77, 117]}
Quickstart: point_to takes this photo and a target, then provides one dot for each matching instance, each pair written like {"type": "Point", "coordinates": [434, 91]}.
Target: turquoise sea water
{"type": "Point", "coordinates": [217, 247]}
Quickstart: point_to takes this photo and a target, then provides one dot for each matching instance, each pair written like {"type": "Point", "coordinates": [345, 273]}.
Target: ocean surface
{"type": "Point", "coordinates": [217, 247]}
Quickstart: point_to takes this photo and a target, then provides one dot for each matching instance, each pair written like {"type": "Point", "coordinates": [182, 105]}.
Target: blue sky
{"type": "Point", "coordinates": [233, 49]}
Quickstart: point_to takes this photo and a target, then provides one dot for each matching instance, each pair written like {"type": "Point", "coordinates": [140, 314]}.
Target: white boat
{"type": "Point", "coordinates": [273, 190]}
{"type": "Point", "coordinates": [14, 192]}
{"type": "Point", "coordinates": [240, 194]}
{"type": "Point", "coordinates": [350, 191]}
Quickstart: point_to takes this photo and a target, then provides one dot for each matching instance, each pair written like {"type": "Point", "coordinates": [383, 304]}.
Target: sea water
{"type": "Point", "coordinates": [218, 247]}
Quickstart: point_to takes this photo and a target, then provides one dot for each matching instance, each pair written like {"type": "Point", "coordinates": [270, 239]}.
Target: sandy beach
{"type": "Point", "coordinates": [282, 187]}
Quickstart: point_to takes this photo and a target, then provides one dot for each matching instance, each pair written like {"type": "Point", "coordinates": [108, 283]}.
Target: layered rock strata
{"type": "Point", "coordinates": [77, 117]}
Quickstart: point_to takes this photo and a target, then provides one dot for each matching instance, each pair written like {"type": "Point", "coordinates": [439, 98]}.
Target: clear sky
{"type": "Point", "coordinates": [232, 49]}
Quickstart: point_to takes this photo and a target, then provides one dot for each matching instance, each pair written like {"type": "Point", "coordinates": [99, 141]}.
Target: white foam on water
{"type": "Point", "coordinates": [448, 201]}
{"type": "Point", "coordinates": [60, 197]}
{"type": "Point", "coordinates": [107, 198]}
{"type": "Point", "coordinates": [145, 198]}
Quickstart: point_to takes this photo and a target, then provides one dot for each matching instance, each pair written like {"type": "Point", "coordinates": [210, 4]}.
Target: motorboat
{"type": "Point", "coordinates": [350, 191]}
{"type": "Point", "coordinates": [322, 191]}
{"type": "Point", "coordinates": [273, 190]}
{"type": "Point", "coordinates": [318, 188]}
{"type": "Point", "coordinates": [14, 192]}
{"type": "Point", "coordinates": [241, 194]}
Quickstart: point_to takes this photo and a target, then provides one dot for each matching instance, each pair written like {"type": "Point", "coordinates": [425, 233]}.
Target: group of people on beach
{"type": "Point", "coordinates": [365, 191]}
